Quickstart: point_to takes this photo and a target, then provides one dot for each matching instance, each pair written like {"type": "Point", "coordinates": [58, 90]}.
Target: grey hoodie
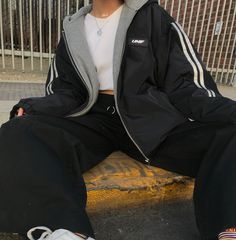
{"type": "Point", "coordinates": [79, 50]}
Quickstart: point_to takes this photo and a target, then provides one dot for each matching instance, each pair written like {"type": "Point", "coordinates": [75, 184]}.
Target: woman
{"type": "Point", "coordinates": [124, 77]}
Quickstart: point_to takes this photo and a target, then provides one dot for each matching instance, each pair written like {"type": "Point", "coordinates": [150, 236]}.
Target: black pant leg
{"type": "Point", "coordinates": [41, 165]}
{"type": "Point", "coordinates": [215, 192]}
{"type": "Point", "coordinates": [185, 147]}
{"type": "Point", "coordinates": [206, 152]}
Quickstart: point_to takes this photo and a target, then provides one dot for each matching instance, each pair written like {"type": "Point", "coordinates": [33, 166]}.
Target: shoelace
{"type": "Point", "coordinates": [47, 232]}
{"type": "Point", "coordinates": [44, 235]}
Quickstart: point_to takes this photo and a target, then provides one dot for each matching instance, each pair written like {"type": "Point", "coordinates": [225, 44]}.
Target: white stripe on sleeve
{"type": "Point", "coordinates": [195, 77]}
{"type": "Point", "coordinates": [55, 66]}
{"type": "Point", "coordinates": [199, 66]}
{"type": "Point", "coordinates": [49, 86]}
{"type": "Point", "coordinates": [51, 79]}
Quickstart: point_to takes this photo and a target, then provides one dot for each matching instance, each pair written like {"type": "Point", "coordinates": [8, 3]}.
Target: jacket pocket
{"type": "Point", "coordinates": [152, 101]}
{"type": "Point", "coordinates": [150, 117]}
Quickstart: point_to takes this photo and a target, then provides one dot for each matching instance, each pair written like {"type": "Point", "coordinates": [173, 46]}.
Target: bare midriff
{"type": "Point", "coordinates": [111, 92]}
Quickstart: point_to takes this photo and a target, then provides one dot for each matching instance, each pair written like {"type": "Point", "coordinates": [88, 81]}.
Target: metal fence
{"type": "Point", "coordinates": [31, 29]}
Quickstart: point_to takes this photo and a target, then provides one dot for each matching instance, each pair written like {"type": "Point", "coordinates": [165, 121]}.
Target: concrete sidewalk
{"type": "Point", "coordinates": [11, 92]}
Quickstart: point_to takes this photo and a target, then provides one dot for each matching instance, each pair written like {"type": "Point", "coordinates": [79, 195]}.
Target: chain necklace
{"type": "Point", "coordinates": [99, 31]}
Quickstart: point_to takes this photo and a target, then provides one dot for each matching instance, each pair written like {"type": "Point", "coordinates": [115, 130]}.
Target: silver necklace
{"type": "Point", "coordinates": [99, 31]}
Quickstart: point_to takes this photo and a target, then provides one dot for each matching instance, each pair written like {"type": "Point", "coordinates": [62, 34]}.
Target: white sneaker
{"type": "Point", "coordinates": [60, 234]}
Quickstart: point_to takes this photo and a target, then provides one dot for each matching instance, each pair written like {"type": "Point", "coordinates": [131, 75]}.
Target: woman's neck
{"type": "Point", "coordinates": [104, 8]}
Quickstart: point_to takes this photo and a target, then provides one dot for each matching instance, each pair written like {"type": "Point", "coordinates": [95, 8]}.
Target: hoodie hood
{"type": "Point", "coordinates": [77, 45]}
{"type": "Point", "coordinates": [132, 4]}
{"type": "Point", "coordinates": [135, 4]}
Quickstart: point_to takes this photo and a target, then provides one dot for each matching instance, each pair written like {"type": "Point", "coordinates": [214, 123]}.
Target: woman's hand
{"type": "Point", "coordinates": [20, 112]}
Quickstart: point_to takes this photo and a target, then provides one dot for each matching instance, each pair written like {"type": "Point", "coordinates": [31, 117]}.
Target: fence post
{"type": "Point", "coordinates": [31, 36]}
{"type": "Point", "coordinates": [2, 43]}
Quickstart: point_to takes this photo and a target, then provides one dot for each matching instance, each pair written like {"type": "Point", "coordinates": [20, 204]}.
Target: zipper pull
{"type": "Point", "coordinates": [147, 160]}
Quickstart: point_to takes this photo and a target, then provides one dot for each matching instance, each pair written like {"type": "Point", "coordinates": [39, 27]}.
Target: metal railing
{"type": "Point", "coordinates": [31, 29]}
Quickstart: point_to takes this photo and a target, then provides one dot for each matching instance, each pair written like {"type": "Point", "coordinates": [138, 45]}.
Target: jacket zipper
{"type": "Point", "coordinates": [74, 65]}
{"type": "Point", "coordinates": [72, 61]}
{"type": "Point", "coordinates": [147, 160]}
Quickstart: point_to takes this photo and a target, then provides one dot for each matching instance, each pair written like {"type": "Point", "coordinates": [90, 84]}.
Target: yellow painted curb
{"type": "Point", "coordinates": [120, 180]}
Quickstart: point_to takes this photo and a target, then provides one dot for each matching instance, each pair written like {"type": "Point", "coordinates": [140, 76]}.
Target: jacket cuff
{"type": "Point", "coordinates": [22, 104]}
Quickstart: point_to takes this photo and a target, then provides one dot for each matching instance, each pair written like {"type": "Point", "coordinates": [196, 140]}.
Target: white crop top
{"type": "Point", "coordinates": [102, 46]}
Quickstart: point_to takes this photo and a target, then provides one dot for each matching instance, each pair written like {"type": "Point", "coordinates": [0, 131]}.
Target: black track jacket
{"type": "Point", "coordinates": [162, 83]}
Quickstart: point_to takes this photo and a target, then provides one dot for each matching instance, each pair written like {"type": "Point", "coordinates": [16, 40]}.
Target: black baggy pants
{"type": "Point", "coordinates": [42, 159]}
